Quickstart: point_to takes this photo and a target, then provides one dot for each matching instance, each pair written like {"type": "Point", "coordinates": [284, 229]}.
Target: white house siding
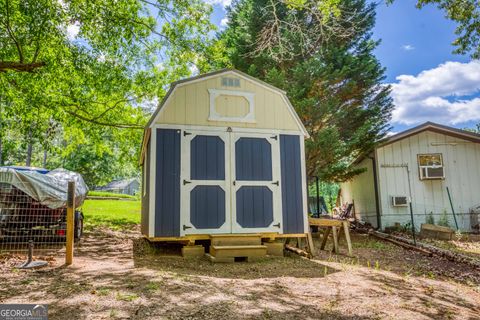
{"type": "Point", "coordinates": [461, 160]}
{"type": "Point", "coordinates": [361, 192]}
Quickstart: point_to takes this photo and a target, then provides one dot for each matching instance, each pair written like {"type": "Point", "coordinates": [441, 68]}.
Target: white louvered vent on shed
{"type": "Point", "coordinates": [230, 82]}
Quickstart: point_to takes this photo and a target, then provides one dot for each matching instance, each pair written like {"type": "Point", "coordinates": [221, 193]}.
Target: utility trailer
{"type": "Point", "coordinates": [33, 204]}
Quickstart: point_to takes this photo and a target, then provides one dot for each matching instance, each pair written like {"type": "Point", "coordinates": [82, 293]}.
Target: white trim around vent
{"type": "Point", "coordinates": [215, 116]}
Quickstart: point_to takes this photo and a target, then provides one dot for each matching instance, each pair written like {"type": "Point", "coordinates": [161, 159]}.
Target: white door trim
{"type": "Point", "coordinates": [276, 189]}
{"type": "Point", "coordinates": [185, 189]}
{"type": "Point", "coordinates": [225, 128]}
{"type": "Point", "coordinates": [152, 162]}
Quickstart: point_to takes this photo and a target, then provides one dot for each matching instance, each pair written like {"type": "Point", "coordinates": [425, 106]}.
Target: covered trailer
{"type": "Point", "coordinates": [33, 203]}
{"type": "Point", "coordinates": [223, 154]}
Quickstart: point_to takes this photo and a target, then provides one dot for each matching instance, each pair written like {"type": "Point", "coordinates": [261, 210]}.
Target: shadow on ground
{"type": "Point", "coordinates": [167, 258]}
{"type": "Point", "coordinates": [115, 275]}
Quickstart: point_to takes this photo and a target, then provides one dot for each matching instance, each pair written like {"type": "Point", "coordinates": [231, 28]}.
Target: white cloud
{"type": "Point", "coordinates": [408, 47]}
{"type": "Point", "coordinates": [224, 22]}
{"type": "Point", "coordinates": [73, 30]}
{"type": "Point", "coordinates": [443, 94]}
{"type": "Point", "coordinates": [222, 3]}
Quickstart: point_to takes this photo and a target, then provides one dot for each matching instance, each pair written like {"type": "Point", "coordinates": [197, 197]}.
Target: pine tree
{"type": "Point", "coordinates": [325, 63]}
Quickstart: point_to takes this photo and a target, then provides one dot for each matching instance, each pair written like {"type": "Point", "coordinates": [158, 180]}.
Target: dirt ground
{"type": "Point", "coordinates": [116, 276]}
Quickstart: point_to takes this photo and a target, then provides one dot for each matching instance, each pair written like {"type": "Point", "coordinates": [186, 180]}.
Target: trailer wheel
{"type": "Point", "coordinates": [78, 227]}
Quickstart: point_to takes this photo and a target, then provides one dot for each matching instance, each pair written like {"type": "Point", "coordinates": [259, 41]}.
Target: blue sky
{"type": "Point", "coordinates": [430, 83]}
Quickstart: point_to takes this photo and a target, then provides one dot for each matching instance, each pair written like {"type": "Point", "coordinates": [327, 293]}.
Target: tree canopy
{"type": "Point", "coordinates": [326, 65]}
{"type": "Point", "coordinates": [78, 78]}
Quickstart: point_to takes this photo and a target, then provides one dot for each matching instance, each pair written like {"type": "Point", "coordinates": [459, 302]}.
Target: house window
{"type": "Point", "coordinates": [430, 166]}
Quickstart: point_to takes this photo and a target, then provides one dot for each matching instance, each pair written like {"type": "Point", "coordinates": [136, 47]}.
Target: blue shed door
{"type": "Point", "coordinates": [256, 202]}
{"type": "Point", "coordinates": [205, 183]}
{"type": "Point", "coordinates": [230, 183]}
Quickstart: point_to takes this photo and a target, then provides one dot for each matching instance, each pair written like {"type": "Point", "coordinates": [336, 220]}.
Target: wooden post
{"type": "Point", "coordinates": [346, 229]}
{"type": "Point", "coordinates": [70, 222]}
{"type": "Point", "coordinates": [335, 239]}
{"type": "Point", "coordinates": [311, 247]}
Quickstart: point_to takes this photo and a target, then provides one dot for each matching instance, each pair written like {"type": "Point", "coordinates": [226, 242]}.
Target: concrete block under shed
{"type": "Point", "coordinates": [193, 251]}
{"type": "Point", "coordinates": [274, 248]}
{"type": "Point", "coordinates": [436, 232]}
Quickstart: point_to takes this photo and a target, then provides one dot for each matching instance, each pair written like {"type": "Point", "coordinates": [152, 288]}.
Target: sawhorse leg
{"type": "Point", "coordinates": [335, 239]}
{"type": "Point", "coordinates": [326, 233]}
{"type": "Point", "coordinates": [346, 229]}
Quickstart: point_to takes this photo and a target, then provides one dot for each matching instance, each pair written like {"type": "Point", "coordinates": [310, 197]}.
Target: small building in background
{"type": "Point", "coordinates": [417, 166]}
{"type": "Point", "coordinates": [126, 186]}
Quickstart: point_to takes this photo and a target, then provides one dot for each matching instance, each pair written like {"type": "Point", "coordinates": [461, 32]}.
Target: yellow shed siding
{"type": "Point", "coordinates": [189, 104]}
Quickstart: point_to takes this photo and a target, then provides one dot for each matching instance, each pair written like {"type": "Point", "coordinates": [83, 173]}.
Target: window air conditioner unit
{"type": "Point", "coordinates": [399, 201]}
{"type": "Point", "coordinates": [432, 172]}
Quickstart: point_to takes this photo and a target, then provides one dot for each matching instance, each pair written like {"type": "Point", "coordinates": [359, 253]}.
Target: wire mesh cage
{"type": "Point", "coordinates": [23, 219]}
{"type": "Point", "coordinates": [30, 222]}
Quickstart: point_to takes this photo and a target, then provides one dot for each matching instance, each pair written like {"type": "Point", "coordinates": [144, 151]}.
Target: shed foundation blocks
{"type": "Point", "coordinates": [193, 251]}
{"type": "Point", "coordinates": [274, 248]}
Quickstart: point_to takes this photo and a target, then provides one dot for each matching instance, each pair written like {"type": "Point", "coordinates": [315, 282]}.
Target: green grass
{"type": "Point", "coordinates": [110, 195]}
{"type": "Point", "coordinates": [114, 214]}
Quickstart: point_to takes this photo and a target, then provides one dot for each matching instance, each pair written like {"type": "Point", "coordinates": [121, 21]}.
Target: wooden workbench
{"type": "Point", "coordinates": [334, 226]}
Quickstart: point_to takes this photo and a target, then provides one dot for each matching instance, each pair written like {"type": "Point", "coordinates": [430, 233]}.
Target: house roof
{"type": "Point", "coordinates": [427, 126]}
{"type": "Point", "coordinates": [120, 184]}
{"type": "Point", "coordinates": [434, 127]}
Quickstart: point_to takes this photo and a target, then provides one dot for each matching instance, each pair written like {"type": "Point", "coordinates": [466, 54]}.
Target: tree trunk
{"type": "Point", "coordinates": [1, 151]}
{"type": "Point", "coordinates": [29, 149]}
{"type": "Point", "coordinates": [44, 163]}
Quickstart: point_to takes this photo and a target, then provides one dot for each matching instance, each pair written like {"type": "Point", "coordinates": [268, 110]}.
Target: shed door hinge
{"type": "Point", "coordinates": [274, 137]}
{"type": "Point", "coordinates": [186, 227]}
{"type": "Point", "coordinates": [276, 183]}
{"type": "Point", "coordinates": [277, 225]}
{"type": "Point", "coordinates": [186, 182]}
{"type": "Point", "coordinates": [185, 133]}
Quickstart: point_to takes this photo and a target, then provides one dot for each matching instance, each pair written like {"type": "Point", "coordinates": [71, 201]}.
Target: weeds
{"type": "Point", "coordinates": [370, 244]}
{"type": "Point", "coordinates": [103, 292]}
{"type": "Point", "coordinates": [126, 297]}
{"type": "Point", "coordinates": [430, 219]}
{"type": "Point", "coordinates": [152, 286]}
{"type": "Point", "coordinates": [113, 313]}
{"type": "Point", "coordinates": [443, 221]}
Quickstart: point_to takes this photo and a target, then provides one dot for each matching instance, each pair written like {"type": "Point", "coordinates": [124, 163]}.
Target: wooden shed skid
{"type": "Point", "coordinates": [194, 237]}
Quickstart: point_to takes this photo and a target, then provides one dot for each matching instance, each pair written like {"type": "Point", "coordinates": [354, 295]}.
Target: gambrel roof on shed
{"type": "Point", "coordinates": [175, 86]}
{"type": "Point", "coordinates": [226, 98]}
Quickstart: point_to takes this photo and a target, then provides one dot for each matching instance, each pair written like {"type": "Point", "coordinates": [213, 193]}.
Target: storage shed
{"type": "Point", "coordinates": [223, 154]}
